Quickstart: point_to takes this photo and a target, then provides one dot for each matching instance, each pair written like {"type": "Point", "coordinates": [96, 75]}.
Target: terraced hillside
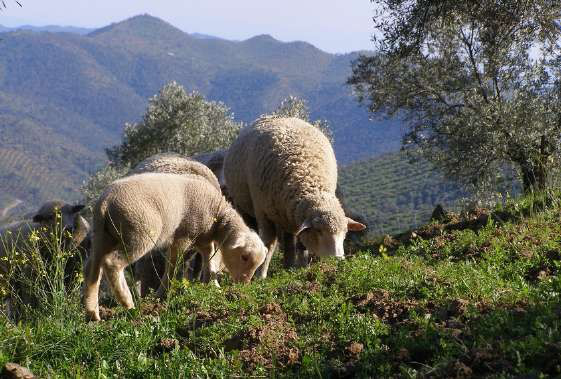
{"type": "Point", "coordinates": [395, 195]}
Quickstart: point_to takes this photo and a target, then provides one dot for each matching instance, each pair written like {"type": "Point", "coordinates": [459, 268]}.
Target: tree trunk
{"type": "Point", "coordinates": [534, 176]}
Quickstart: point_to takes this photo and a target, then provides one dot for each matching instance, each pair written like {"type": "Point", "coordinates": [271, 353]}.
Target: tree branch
{"type": "Point", "coordinates": [476, 74]}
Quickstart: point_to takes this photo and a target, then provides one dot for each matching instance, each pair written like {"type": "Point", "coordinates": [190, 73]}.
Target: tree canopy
{"type": "Point", "coordinates": [476, 81]}
{"type": "Point", "coordinates": [293, 106]}
{"type": "Point", "coordinates": [176, 121]}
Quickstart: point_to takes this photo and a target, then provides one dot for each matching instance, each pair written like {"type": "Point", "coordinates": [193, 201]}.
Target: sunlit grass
{"type": "Point", "coordinates": [481, 302]}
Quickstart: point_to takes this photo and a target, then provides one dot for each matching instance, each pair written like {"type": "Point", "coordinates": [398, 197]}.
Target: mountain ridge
{"type": "Point", "coordinates": [80, 90]}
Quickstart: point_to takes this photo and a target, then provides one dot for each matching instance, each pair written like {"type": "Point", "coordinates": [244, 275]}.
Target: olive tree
{"type": "Point", "coordinates": [175, 121]}
{"type": "Point", "coordinates": [293, 106]}
{"type": "Point", "coordinates": [478, 83]}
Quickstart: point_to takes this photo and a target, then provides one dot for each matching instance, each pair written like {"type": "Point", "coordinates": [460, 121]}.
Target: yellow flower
{"type": "Point", "coordinates": [33, 237]}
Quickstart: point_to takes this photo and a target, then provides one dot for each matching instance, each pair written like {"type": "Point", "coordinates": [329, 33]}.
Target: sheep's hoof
{"type": "Point", "coordinates": [93, 315]}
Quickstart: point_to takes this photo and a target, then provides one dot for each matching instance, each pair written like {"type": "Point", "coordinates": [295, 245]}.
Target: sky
{"type": "Point", "coordinates": [335, 26]}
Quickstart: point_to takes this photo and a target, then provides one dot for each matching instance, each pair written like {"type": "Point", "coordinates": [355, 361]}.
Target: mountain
{"type": "Point", "coordinates": [64, 97]}
{"type": "Point", "coordinates": [48, 28]}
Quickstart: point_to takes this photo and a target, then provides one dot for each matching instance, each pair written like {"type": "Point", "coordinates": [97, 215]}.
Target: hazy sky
{"type": "Point", "coordinates": [332, 25]}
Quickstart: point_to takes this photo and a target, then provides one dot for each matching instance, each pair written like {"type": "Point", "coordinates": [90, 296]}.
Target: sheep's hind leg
{"type": "Point", "coordinates": [93, 272]}
{"type": "Point", "coordinates": [114, 267]}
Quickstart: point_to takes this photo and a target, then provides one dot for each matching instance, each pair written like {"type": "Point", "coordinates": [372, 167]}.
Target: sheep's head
{"type": "Point", "coordinates": [64, 215]}
{"type": "Point", "coordinates": [324, 231]}
{"type": "Point", "coordinates": [242, 254]}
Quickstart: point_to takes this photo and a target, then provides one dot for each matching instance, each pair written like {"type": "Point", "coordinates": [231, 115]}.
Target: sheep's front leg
{"type": "Point", "coordinates": [211, 262]}
{"type": "Point", "coordinates": [268, 234]}
{"type": "Point", "coordinates": [171, 263]}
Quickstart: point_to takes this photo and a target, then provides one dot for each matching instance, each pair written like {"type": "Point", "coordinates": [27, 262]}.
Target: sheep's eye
{"type": "Point", "coordinates": [245, 257]}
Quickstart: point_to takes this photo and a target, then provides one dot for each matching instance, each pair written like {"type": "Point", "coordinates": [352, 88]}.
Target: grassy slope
{"type": "Point", "coordinates": [472, 297]}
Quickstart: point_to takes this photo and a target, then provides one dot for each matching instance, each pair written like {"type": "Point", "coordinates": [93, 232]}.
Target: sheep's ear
{"type": "Point", "coordinates": [354, 226]}
{"type": "Point", "coordinates": [77, 208]}
{"type": "Point", "coordinates": [305, 225]}
{"type": "Point", "coordinates": [238, 242]}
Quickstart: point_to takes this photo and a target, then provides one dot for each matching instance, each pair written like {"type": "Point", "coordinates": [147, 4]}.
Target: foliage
{"type": "Point", "coordinates": [465, 302]}
{"type": "Point", "coordinates": [478, 83]}
{"type": "Point", "coordinates": [40, 273]}
{"type": "Point", "coordinates": [3, 4]}
{"type": "Point", "coordinates": [176, 122]}
{"type": "Point", "coordinates": [293, 106]}
{"type": "Point", "coordinates": [94, 186]}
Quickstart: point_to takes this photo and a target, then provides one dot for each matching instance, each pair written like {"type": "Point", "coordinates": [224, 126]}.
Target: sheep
{"type": "Point", "coordinates": [283, 172]}
{"type": "Point", "coordinates": [215, 162]}
{"type": "Point", "coordinates": [149, 269]}
{"type": "Point", "coordinates": [143, 211]}
{"type": "Point", "coordinates": [172, 163]}
{"type": "Point", "coordinates": [53, 217]}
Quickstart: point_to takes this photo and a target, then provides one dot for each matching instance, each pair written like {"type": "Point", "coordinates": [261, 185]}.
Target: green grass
{"type": "Point", "coordinates": [477, 296]}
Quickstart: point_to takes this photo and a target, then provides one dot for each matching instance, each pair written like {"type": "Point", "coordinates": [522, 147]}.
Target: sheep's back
{"type": "Point", "coordinates": [158, 204]}
{"type": "Point", "coordinates": [171, 163]}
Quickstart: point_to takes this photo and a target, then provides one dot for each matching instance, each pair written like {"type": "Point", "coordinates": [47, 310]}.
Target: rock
{"type": "Point", "coordinates": [15, 371]}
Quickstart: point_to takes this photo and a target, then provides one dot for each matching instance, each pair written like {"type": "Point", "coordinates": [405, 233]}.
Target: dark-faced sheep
{"type": "Point", "coordinates": [138, 213]}
{"type": "Point", "coordinates": [55, 219]}
{"type": "Point", "coordinates": [283, 172]}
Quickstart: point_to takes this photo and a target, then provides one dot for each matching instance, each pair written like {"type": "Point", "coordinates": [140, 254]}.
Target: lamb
{"type": "Point", "coordinates": [172, 163]}
{"type": "Point", "coordinates": [283, 172]}
{"type": "Point", "coordinates": [149, 269]}
{"type": "Point", "coordinates": [157, 210]}
{"type": "Point", "coordinates": [53, 215]}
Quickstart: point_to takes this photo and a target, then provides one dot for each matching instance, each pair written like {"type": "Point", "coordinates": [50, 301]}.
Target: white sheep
{"type": "Point", "coordinates": [138, 213]}
{"type": "Point", "coordinates": [149, 269]}
{"type": "Point", "coordinates": [283, 172]}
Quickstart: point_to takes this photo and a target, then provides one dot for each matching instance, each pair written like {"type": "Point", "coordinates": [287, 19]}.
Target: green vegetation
{"type": "Point", "coordinates": [395, 195]}
{"type": "Point", "coordinates": [64, 97]}
{"type": "Point", "coordinates": [477, 81]}
{"type": "Point", "coordinates": [476, 295]}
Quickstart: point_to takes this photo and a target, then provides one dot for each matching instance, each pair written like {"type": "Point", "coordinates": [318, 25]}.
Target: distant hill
{"type": "Point", "coordinates": [395, 195]}
{"type": "Point", "coordinates": [47, 28]}
{"type": "Point", "coordinates": [64, 97]}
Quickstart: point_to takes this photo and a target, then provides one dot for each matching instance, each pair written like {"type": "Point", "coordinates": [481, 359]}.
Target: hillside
{"type": "Point", "coordinates": [394, 194]}
{"type": "Point", "coordinates": [476, 296]}
{"type": "Point", "coordinates": [65, 96]}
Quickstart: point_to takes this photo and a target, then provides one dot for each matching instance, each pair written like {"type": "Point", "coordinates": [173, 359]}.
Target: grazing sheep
{"type": "Point", "coordinates": [53, 217]}
{"type": "Point", "coordinates": [153, 210]}
{"type": "Point", "coordinates": [215, 162]}
{"type": "Point", "coordinates": [171, 163]}
{"type": "Point", "coordinates": [15, 236]}
{"type": "Point", "coordinates": [283, 172]}
{"type": "Point", "coordinates": [150, 268]}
